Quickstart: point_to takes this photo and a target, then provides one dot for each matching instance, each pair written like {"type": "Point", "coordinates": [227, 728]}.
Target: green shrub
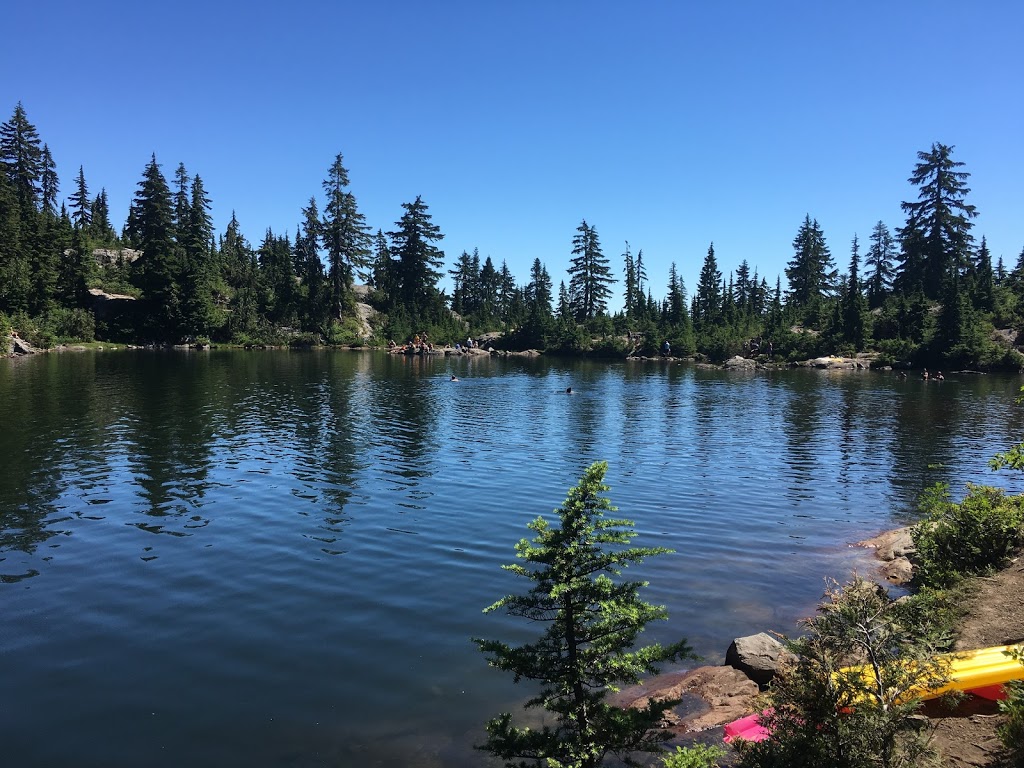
{"type": "Point", "coordinates": [825, 713]}
{"type": "Point", "coordinates": [696, 756]}
{"type": "Point", "coordinates": [893, 351]}
{"type": "Point", "coordinates": [72, 324]}
{"type": "Point", "coordinates": [608, 348]}
{"type": "Point", "coordinates": [970, 538]}
{"type": "Point", "coordinates": [1011, 732]}
{"type": "Point", "coordinates": [345, 333]}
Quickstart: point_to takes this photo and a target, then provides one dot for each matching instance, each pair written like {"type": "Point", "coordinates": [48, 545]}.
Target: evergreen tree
{"type": "Point", "coordinates": [641, 275]}
{"type": "Point", "coordinates": [590, 277]}
{"type": "Point", "coordinates": [157, 272]}
{"type": "Point", "coordinates": [72, 281]}
{"type": "Point", "coordinates": [81, 204]}
{"type": "Point", "coordinates": [22, 158]}
{"type": "Point", "coordinates": [235, 254]}
{"type": "Point", "coordinates": [936, 239]}
{"type": "Point", "coordinates": [383, 265]}
{"type": "Point", "coordinates": [345, 237]}
{"type": "Point", "coordinates": [593, 620]}
{"type": "Point", "coordinates": [811, 273]}
{"type": "Point", "coordinates": [195, 234]}
{"type": "Point", "coordinates": [464, 278]}
{"type": "Point", "coordinates": [854, 306]}
{"type": "Point", "coordinates": [879, 260]}
{"type": "Point", "coordinates": [487, 299]}
{"type": "Point", "coordinates": [707, 301]}
{"type": "Point", "coordinates": [983, 280]}
{"type": "Point", "coordinates": [675, 309]}
{"type": "Point", "coordinates": [14, 266]}
{"type": "Point", "coordinates": [538, 291]}
{"type": "Point", "coordinates": [564, 309]}
{"type": "Point", "coordinates": [743, 288]}
{"type": "Point", "coordinates": [276, 266]}
{"type": "Point", "coordinates": [633, 296]}
{"type": "Point", "coordinates": [50, 239]}
{"type": "Point", "coordinates": [101, 228]}
{"type": "Point", "coordinates": [49, 184]}
{"type": "Point", "coordinates": [539, 320]}
{"type": "Point", "coordinates": [508, 296]}
{"type": "Point", "coordinates": [182, 204]}
{"type": "Point", "coordinates": [315, 299]}
{"type": "Point", "coordinates": [419, 261]}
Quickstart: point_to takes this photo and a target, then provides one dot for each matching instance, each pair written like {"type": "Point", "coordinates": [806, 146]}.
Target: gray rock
{"type": "Point", "coordinates": [758, 656]}
{"type": "Point", "coordinates": [740, 362]}
{"type": "Point", "coordinates": [21, 347]}
{"type": "Point", "coordinates": [898, 571]}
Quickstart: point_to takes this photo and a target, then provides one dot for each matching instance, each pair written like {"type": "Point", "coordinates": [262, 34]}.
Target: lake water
{"type": "Point", "coordinates": [278, 558]}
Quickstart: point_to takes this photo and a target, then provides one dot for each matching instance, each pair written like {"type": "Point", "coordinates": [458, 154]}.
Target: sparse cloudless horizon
{"type": "Point", "coordinates": [670, 125]}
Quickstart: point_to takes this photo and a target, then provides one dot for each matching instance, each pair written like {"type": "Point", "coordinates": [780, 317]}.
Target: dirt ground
{"type": "Point", "coordinates": [995, 616]}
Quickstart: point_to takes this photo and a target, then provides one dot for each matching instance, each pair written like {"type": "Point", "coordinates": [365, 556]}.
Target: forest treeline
{"type": "Point", "coordinates": [925, 292]}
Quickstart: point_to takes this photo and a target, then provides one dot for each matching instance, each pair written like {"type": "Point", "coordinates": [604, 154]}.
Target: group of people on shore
{"type": "Point", "coordinates": [421, 344]}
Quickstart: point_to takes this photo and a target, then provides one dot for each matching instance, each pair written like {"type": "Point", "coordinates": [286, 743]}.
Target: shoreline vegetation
{"type": "Point", "coordinates": [963, 574]}
{"type": "Point", "coordinates": [870, 680]}
{"type": "Point", "coordinates": [15, 346]}
{"type": "Point", "coordinates": [927, 293]}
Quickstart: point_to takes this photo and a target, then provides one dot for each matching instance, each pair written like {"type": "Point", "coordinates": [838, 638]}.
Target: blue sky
{"type": "Point", "coordinates": [667, 124]}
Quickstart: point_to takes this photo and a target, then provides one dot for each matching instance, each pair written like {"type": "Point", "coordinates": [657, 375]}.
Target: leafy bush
{"type": "Point", "coordinates": [608, 348]}
{"type": "Point", "coordinates": [895, 351]}
{"type": "Point", "coordinates": [1011, 733]}
{"type": "Point", "coordinates": [345, 333]}
{"type": "Point", "coordinates": [72, 324]}
{"type": "Point", "coordinates": [972, 537]}
{"type": "Point", "coordinates": [696, 756]}
{"type": "Point", "coordinates": [825, 712]}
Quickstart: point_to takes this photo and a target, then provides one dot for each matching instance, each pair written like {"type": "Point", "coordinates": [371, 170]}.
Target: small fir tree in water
{"type": "Point", "coordinates": [592, 622]}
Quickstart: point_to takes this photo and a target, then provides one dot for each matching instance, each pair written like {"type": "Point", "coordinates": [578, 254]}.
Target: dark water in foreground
{"type": "Point", "coordinates": [278, 559]}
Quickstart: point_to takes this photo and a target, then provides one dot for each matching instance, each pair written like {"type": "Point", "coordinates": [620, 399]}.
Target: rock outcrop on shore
{"type": "Point", "coordinates": [893, 549]}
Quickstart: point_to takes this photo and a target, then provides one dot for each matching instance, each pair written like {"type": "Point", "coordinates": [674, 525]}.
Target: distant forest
{"type": "Point", "coordinates": [925, 293]}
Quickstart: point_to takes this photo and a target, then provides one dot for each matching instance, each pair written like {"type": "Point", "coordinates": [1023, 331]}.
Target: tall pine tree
{"type": "Point", "coordinates": [344, 235]}
{"type": "Point", "coordinates": [590, 277]}
{"type": "Point", "coordinates": [936, 240]}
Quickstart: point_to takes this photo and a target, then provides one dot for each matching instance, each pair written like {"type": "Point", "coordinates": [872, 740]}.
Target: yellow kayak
{"type": "Point", "coordinates": [982, 672]}
{"type": "Point", "coordinates": [979, 669]}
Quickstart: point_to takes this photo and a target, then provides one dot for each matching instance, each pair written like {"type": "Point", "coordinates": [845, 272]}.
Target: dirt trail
{"type": "Point", "coordinates": [995, 616]}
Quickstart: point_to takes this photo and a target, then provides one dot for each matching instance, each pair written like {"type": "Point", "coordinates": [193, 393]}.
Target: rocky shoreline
{"type": "Point", "coordinates": [712, 696]}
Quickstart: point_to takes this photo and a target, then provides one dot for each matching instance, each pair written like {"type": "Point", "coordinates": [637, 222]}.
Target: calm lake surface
{"type": "Point", "coordinates": [278, 558]}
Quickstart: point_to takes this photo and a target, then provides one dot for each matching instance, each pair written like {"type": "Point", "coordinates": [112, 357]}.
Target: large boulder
{"type": "Point", "coordinates": [758, 656]}
{"type": "Point", "coordinates": [891, 544]}
{"type": "Point", "coordinates": [740, 362]}
{"type": "Point", "coordinates": [893, 549]}
{"type": "Point", "coordinates": [19, 346]}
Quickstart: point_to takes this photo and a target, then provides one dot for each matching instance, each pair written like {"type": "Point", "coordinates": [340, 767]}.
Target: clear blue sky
{"type": "Point", "coordinates": [667, 124]}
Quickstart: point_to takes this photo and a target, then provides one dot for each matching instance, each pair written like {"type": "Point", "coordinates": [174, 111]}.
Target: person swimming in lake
{"type": "Point", "coordinates": [454, 377]}
{"type": "Point", "coordinates": [568, 390]}
{"type": "Point", "coordinates": [938, 376]}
